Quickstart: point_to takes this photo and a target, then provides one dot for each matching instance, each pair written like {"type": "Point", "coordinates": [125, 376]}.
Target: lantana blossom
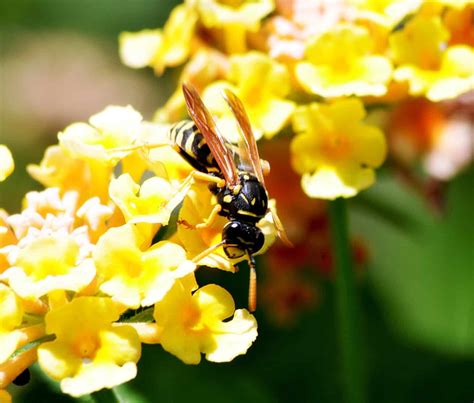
{"type": "Point", "coordinates": [248, 13]}
{"type": "Point", "coordinates": [428, 64]}
{"type": "Point", "coordinates": [47, 264]}
{"type": "Point", "coordinates": [89, 353]}
{"type": "Point", "coordinates": [58, 169]}
{"type": "Point", "coordinates": [135, 273]}
{"type": "Point", "coordinates": [160, 48]}
{"type": "Point", "coordinates": [152, 202]}
{"type": "Point", "coordinates": [387, 13]}
{"type": "Point", "coordinates": [334, 150]}
{"type": "Point", "coordinates": [195, 323]}
{"type": "Point", "coordinates": [114, 127]}
{"type": "Point", "coordinates": [263, 85]}
{"type": "Point", "coordinates": [341, 62]}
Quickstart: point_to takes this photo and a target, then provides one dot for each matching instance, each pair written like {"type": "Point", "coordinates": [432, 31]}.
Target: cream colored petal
{"type": "Point", "coordinates": [126, 291]}
{"type": "Point", "coordinates": [92, 378]}
{"type": "Point", "coordinates": [123, 122]}
{"type": "Point", "coordinates": [137, 49]}
{"type": "Point", "coordinates": [324, 81]}
{"type": "Point", "coordinates": [11, 310]}
{"type": "Point", "coordinates": [58, 360]}
{"type": "Point", "coordinates": [232, 338]}
{"type": "Point", "coordinates": [450, 88]}
{"type": "Point", "coordinates": [26, 286]}
{"type": "Point", "coordinates": [9, 342]}
{"type": "Point", "coordinates": [326, 183]}
{"type": "Point", "coordinates": [7, 164]}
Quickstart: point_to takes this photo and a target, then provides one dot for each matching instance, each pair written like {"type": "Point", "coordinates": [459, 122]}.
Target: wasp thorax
{"type": "Point", "coordinates": [241, 238]}
{"type": "Point", "coordinates": [247, 201]}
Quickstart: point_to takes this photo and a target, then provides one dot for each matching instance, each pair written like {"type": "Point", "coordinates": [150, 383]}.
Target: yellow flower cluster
{"type": "Point", "coordinates": [95, 246]}
{"type": "Point", "coordinates": [292, 62]}
{"type": "Point", "coordinates": [104, 258]}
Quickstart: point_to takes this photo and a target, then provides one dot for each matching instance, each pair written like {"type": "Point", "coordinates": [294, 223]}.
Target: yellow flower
{"type": "Point", "coordinates": [456, 3]}
{"type": "Point", "coordinates": [114, 127]}
{"type": "Point", "coordinates": [152, 202]}
{"type": "Point", "coordinates": [158, 48]}
{"type": "Point", "coordinates": [95, 216]}
{"type": "Point", "coordinates": [6, 163]}
{"type": "Point", "coordinates": [262, 84]}
{"type": "Point", "coordinates": [58, 169]}
{"type": "Point", "coordinates": [89, 353]}
{"type": "Point", "coordinates": [132, 272]}
{"type": "Point", "coordinates": [197, 323]}
{"type": "Point", "coordinates": [427, 64]}
{"type": "Point", "coordinates": [11, 316]}
{"type": "Point", "coordinates": [341, 62]}
{"type": "Point", "coordinates": [206, 66]}
{"type": "Point", "coordinates": [138, 49]}
{"type": "Point", "coordinates": [50, 213]}
{"type": "Point", "coordinates": [387, 13]}
{"type": "Point", "coordinates": [248, 13]}
{"type": "Point", "coordinates": [7, 238]}
{"type": "Point", "coordinates": [335, 151]}
{"type": "Point", "coordinates": [49, 263]}
{"type": "Point", "coordinates": [420, 43]}
{"type": "Point", "coordinates": [5, 397]}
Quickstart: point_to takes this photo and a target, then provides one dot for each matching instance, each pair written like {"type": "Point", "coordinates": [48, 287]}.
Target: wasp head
{"type": "Point", "coordinates": [241, 238]}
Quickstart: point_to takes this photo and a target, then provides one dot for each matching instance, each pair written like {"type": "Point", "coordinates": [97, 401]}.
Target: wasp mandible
{"type": "Point", "coordinates": [242, 197]}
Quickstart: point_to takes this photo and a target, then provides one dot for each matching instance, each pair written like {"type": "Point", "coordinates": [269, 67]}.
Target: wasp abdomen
{"type": "Point", "coordinates": [192, 146]}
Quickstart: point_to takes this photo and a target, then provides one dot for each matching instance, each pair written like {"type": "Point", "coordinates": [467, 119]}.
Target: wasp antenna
{"type": "Point", "coordinates": [252, 284]}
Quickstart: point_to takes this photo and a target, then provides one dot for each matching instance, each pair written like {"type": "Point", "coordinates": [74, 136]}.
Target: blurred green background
{"type": "Point", "coordinates": [59, 64]}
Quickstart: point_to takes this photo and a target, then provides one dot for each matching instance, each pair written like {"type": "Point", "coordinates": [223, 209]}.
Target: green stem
{"type": "Point", "coordinates": [347, 306]}
{"type": "Point", "coordinates": [104, 396]}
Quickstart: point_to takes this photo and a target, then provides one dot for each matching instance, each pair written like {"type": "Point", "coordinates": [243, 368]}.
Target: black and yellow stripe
{"type": "Point", "coordinates": [192, 146]}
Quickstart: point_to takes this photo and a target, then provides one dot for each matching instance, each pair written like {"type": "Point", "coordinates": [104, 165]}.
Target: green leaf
{"type": "Point", "coordinates": [423, 274]}
{"type": "Point", "coordinates": [127, 394]}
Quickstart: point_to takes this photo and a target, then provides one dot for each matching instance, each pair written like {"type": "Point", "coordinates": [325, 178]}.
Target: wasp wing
{"type": "Point", "coordinates": [207, 126]}
{"type": "Point", "coordinates": [250, 155]}
{"type": "Point", "coordinates": [280, 228]}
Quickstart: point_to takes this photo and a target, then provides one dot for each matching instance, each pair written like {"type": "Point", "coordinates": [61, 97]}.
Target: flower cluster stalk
{"type": "Point", "coordinates": [348, 320]}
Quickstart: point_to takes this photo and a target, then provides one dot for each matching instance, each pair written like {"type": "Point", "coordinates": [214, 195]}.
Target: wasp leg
{"type": "Point", "coordinates": [207, 252]}
{"type": "Point", "coordinates": [193, 176]}
{"type": "Point", "coordinates": [252, 284]}
{"type": "Point", "coordinates": [279, 227]}
{"type": "Point", "coordinates": [207, 222]}
{"type": "Point", "coordinates": [201, 176]}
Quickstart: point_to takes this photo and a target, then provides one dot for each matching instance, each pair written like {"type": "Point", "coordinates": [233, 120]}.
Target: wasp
{"type": "Point", "coordinates": [240, 187]}
{"type": "Point", "coordinates": [236, 176]}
